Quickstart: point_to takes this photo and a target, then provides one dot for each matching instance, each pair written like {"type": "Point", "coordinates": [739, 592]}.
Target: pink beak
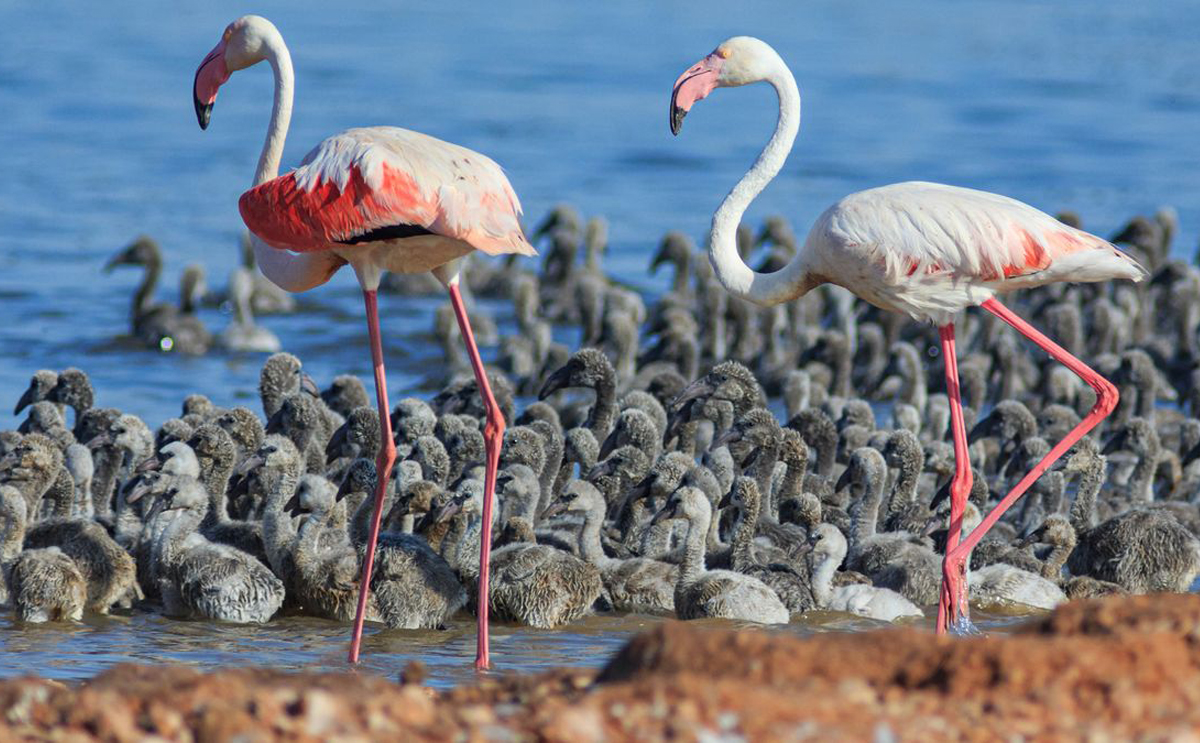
{"type": "Point", "coordinates": [210, 76]}
{"type": "Point", "coordinates": [694, 84]}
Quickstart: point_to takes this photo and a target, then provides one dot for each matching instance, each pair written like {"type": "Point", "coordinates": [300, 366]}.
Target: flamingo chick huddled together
{"type": "Point", "coordinates": [758, 489]}
{"type": "Point", "coordinates": [752, 446]}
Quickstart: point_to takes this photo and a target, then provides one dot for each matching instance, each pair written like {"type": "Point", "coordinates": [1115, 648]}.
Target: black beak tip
{"type": "Point", "coordinates": [940, 497]}
{"type": "Point", "coordinates": [309, 385]}
{"type": "Point", "coordinates": [842, 482]}
{"type": "Point", "coordinates": [203, 112]}
{"type": "Point", "coordinates": [553, 384]}
{"type": "Point", "coordinates": [677, 115]}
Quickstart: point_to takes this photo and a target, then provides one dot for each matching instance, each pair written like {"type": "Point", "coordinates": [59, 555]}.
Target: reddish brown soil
{"type": "Point", "coordinates": [1118, 669]}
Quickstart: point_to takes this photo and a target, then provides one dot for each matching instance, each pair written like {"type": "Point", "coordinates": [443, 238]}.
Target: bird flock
{"type": "Point", "coordinates": [719, 453]}
{"type": "Point", "coordinates": [165, 327]}
{"type": "Point", "coordinates": [697, 457]}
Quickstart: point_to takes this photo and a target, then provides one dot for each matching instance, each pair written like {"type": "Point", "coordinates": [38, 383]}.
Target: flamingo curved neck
{"type": "Point", "coordinates": [281, 110]}
{"type": "Point", "coordinates": [739, 279]}
{"type": "Point", "coordinates": [141, 298]}
{"type": "Point", "coordinates": [289, 271]}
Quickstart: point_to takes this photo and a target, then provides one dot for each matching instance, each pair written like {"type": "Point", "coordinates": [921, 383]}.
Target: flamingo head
{"type": "Point", "coordinates": [244, 43]}
{"type": "Point", "coordinates": [736, 61]}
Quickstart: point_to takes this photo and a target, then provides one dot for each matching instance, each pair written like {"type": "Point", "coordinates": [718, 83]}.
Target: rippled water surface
{"type": "Point", "coordinates": [72, 652]}
{"type": "Point", "coordinates": [1087, 106]}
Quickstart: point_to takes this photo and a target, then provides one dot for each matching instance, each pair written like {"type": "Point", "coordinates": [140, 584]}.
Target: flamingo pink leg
{"type": "Point", "coordinates": [383, 466]}
{"type": "Point", "coordinates": [951, 606]}
{"type": "Point", "coordinates": [493, 437]}
{"type": "Point", "coordinates": [1106, 401]}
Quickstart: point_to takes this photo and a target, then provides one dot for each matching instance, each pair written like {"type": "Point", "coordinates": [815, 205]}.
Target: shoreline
{"type": "Point", "coordinates": [1117, 668]}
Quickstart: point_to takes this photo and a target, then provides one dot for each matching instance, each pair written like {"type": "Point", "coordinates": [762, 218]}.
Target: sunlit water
{"type": "Point", "coordinates": [1083, 106]}
{"type": "Point", "coordinates": [72, 652]}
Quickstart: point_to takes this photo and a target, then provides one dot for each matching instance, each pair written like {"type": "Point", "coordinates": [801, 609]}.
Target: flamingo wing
{"type": "Point", "coordinates": [916, 230]}
{"type": "Point", "coordinates": [386, 183]}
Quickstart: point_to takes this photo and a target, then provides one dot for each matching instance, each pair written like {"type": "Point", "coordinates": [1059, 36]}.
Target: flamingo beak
{"type": "Point", "coordinates": [845, 480]}
{"type": "Point", "coordinates": [26, 400]}
{"type": "Point", "coordinates": [701, 388]}
{"type": "Point", "coordinates": [560, 379]}
{"type": "Point", "coordinates": [125, 258]}
{"type": "Point", "coordinates": [610, 444]}
{"type": "Point", "coordinates": [138, 492]}
{"type": "Point", "coordinates": [103, 439]}
{"type": "Point", "coordinates": [150, 464]}
{"type": "Point", "coordinates": [292, 507]}
{"type": "Point", "coordinates": [249, 464]}
{"type": "Point", "coordinates": [210, 75]}
{"type": "Point", "coordinates": [335, 446]}
{"type": "Point", "coordinates": [666, 514]}
{"type": "Point", "coordinates": [728, 436]}
{"type": "Point", "coordinates": [346, 488]}
{"type": "Point", "coordinates": [307, 384]}
{"type": "Point", "coordinates": [726, 500]}
{"type": "Point", "coordinates": [447, 511]}
{"type": "Point", "coordinates": [694, 84]}
{"type": "Point", "coordinates": [606, 467]}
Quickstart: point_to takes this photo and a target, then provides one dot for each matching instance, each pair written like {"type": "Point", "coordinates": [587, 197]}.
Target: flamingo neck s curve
{"type": "Point", "coordinates": [294, 272]}
{"type": "Point", "coordinates": [277, 55]}
{"type": "Point", "coordinates": [738, 278]}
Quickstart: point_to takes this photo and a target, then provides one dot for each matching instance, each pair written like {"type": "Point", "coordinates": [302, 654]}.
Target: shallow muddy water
{"type": "Point", "coordinates": [71, 652]}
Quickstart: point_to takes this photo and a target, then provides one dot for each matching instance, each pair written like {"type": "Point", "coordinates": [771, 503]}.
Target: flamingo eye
{"type": "Point", "coordinates": [723, 53]}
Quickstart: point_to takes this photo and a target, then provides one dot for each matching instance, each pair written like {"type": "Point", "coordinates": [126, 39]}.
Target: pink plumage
{"type": "Point", "coordinates": [372, 178]}
{"type": "Point", "coordinates": [930, 250]}
{"type": "Point", "coordinates": [923, 249]}
{"type": "Point", "coordinates": [379, 199]}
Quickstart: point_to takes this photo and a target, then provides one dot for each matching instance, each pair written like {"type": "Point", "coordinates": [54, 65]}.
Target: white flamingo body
{"type": "Point", "coordinates": [926, 250]}
{"type": "Point", "coordinates": [929, 250]}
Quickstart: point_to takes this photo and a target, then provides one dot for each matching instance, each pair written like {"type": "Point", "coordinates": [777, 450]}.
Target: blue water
{"type": "Point", "coordinates": [1087, 106]}
{"type": "Point", "coordinates": [1083, 106]}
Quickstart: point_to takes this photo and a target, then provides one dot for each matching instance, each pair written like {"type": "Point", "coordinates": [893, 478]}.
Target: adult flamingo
{"type": "Point", "coordinates": [380, 199]}
{"type": "Point", "coordinates": [922, 249]}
